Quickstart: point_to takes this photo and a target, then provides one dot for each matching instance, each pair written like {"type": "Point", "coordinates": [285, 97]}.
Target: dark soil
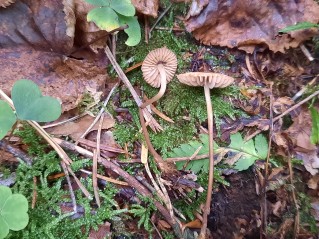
{"type": "Point", "coordinates": [236, 209]}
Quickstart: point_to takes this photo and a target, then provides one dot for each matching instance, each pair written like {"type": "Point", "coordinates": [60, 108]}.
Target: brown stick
{"type": "Point", "coordinates": [127, 177]}
{"type": "Point", "coordinates": [153, 124]}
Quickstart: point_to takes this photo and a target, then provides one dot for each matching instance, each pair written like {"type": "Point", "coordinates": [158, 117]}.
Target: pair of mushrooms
{"type": "Point", "coordinates": [158, 69]}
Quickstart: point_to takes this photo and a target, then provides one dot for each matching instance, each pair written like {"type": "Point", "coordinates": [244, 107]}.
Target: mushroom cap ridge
{"type": "Point", "coordinates": [161, 56]}
{"type": "Point", "coordinates": [212, 80]}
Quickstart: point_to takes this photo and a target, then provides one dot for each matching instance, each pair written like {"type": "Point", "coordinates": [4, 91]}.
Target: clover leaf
{"type": "Point", "coordinates": [111, 14]}
{"type": "Point", "coordinates": [7, 118]}
{"type": "Point", "coordinates": [30, 104]}
{"type": "Point", "coordinates": [13, 211]}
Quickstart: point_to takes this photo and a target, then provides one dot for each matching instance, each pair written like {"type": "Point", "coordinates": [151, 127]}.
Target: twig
{"type": "Point", "coordinates": [296, 106]}
{"type": "Point", "coordinates": [53, 144]}
{"type": "Point", "coordinates": [158, 20]}
{"type": "Point", "coordinates": [147, 28]}
{"type": "Point", "coordinates": [154, 125]}
{"type": "Point", "coordinates": [128, 178]}
{"type": "Point", "coordinates": [99, 114]}
{"type": "Point", "coordinates": [18, 153]}
{"type": "Point", "coordinates": [96, 155]}
{"type": "Point", "coordinates": [34, 192]}
{"type": "Point", "coordinates": [103, 147]}
{"type": "Point", "coordinates": [178, 159]}
{"type": "Point", "coordinates": [64, 121]}
{"type": "Point", "coordinates": [158, 159]}
{"type": "Point", "coordinates": [94, 178]}
{"type": "Point", "coordinates": [306, 52]}
{"type": "Point", "coordinates": [271, 129]}
{"type": "Point", "coordinates": [107, 179]}
{"type": "Point", "coordinates": [287, 111]}
{"type": "Point", "coordinates": [300, 93]}
{"type": "Point", "coordinates": [177, 29]}
{"type": "Point", "coordinates": [67, 176]}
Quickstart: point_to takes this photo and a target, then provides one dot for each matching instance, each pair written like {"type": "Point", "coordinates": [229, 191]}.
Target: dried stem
{"type": "Point", "coordinates": [211, 161]}
{"type": "Point", "coordinates": [153, 124]}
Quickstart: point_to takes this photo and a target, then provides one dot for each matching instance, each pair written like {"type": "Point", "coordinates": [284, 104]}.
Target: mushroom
{"type": "Point", "coordinates": [158, 69]}
{"type": "Point", "coordinates": [209, 81]}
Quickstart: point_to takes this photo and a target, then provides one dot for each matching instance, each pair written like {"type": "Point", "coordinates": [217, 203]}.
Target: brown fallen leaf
{"type": "Point", "coordinates": [66, 79]}
{"type": "Point", "coordinates": [46, 25]}
{"type": "Point", "coordinates": [313, 182]}
{"type": "Point", "coordinates": [146, 7]}
{"type": "Point", "coordinates": [77, 128]}
{"type": "Point", "coordinates": [247, 23]}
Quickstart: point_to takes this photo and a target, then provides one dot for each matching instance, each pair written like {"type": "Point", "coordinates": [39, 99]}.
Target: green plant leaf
{"type": "Point", "coordinates": [244, 163]}
{"type": "Point", "coordinates": [133, 31]}
{"type": "Point", "coordinates": [104, 17]}
{"type": "Point", "coordinates": [30, 104]}
{"type": "Point", "coordinates": [299, 26]}
{"type": "Point", "coordinates": [13, 211]}
{"type": "Point", "coordinates": [7, 118]}
{"type": "Point", "coordinates": [123, 7]}
{"type": "Point", "coordinates": [314, 138]}
{"type": "Point", "coordinates": [261, 146]}
{"type": "Point", "coordinates": [99, 3]}
{"type": "Point", "coordinates": [242, 154]}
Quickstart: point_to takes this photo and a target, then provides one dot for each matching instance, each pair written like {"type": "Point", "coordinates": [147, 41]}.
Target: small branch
{"type": "Point", "coordinates": [67, 176]}
{"type": "Point", "coordinates": [306, 52]}
{"type": "Point", "coordinates": [154, 125]}
{"type": "Point", "coordinates": [16, 152]}
{"type": "Point", "coordinates": [127, 177]}
{"type": "Point", "coordinates": [158, 20]}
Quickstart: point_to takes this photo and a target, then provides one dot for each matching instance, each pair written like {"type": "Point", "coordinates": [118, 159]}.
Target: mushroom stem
{"type": "Point", "coordinates": [211, 160]}
{"type": "Point", "coordinates": [162, 89]}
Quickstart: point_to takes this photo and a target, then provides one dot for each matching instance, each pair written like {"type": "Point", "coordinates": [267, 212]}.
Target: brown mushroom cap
{"type": "Point", "coordinates": [161, 56]}
{"type": "Point", "coordinates": [5, 3]}
{"type": "Point", "coordinates": [212, 80]}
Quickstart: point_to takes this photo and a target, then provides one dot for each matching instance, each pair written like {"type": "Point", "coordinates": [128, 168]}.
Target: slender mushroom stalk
{"type": "Point", "coordinates": [158, 69]}
{"type": "Point", "coordinates": [209, 81]}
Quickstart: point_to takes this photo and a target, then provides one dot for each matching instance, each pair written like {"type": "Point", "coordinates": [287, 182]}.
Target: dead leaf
{"type": "Point", "coordinates": [104, 231]}
{"type": "Point", "coordinates": [310, 161]}
{"type": "Point", "coordinates": [313, 182]}
{"type": "Point", "coordinates": [196, 224]}
{"type": "Point", "coordinates": [247, 23]}
{"type": "Point", "coordinates": [45, 25]}
{"type": "Point", "coordinates": [299, 132]}
{"type": "Point", "coordinates": [77, 128]}
{"type": "Point", "coordinates": [66, 79]}
{"type": "Point", "coordinates": [146, 7]}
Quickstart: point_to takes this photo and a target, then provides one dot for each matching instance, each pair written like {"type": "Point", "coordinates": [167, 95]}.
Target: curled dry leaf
{"type": "Point", "coordinates": [247, 23]}
{"type": "Point", "coordinates": [45, 25]}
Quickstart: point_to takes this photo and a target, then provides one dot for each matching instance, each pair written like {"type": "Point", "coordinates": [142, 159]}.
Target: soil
{"type": "Point", "coordinates": [236, 209]}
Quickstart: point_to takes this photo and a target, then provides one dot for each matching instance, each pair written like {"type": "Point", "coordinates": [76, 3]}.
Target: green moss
{"type": "Point", "coordinates": [47, 220]}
